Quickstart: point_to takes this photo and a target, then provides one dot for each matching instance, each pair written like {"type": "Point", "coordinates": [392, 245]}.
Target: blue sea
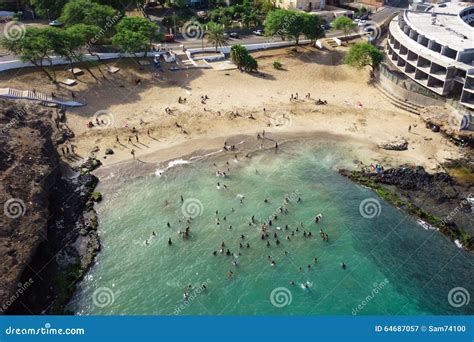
{"type": "Point", "coordinates": [393, 266]}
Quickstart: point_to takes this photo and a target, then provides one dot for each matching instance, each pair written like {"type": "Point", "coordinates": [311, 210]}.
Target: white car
{"type": "Point", "coordinates": [55, 23]}
{"type": "Point", "coordinates": [362, 23]}
{"type": "Point", "coordinates": [258, 32]}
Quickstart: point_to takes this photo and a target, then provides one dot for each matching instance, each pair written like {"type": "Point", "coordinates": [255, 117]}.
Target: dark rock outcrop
{"type": "Point", "coordinates": [29, 168]}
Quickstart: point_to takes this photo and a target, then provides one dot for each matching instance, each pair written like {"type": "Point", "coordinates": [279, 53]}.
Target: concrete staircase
{"type": "Point", "coordinates": [36, 96]}
{"type": "Point", "coordinates": [402, 104]}
{"type": "Point", "coordinates": [329, 43]}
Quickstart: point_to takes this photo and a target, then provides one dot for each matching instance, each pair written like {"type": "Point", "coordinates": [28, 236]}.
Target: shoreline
{"type": "Point", "coordinates": [200, 148]}
{"type": "Point", "coordinates": [237, 112]}
{"type": "Point", "coordinates": [180, 153]}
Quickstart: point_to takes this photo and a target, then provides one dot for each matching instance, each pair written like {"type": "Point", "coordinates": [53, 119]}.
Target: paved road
{"type": "Point", "coordinates": [378, 18]}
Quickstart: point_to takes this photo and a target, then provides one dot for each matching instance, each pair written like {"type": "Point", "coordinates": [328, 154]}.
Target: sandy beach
{"type": "Point", "coordinates": [238, 103]}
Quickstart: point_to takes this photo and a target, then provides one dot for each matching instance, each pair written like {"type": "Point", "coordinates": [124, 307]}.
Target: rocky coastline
{"type": "Point", "coordinates": [49, 240]}
{"type": "Point", "coordinates": [439, 200]}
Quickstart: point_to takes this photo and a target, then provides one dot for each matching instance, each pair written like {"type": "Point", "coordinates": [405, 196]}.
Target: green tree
{"type": "Point", "coordinates": [345, 24]}
{"type": "Point", "coordinates": [87, 12]}
{"type": "Point", "coordinates": [50, 9]}
{"type": "Point", "coordinates": [215, 35]}
{"type": "Point", "coordinates": [135, 34]}
{"type": "Point", "coordinates": [276, 23]}
{"type": "Point", "coordinates": [364, 54]}
{"type": "Point", "coordinates": [86, 35]}
{"type": "Point", "coordinates": [33, 47]}
{"type": "Point", "coordinates": [241, 57]}
{"type": "Point", "coordinates": [238, 54]}
{"type": "Point", "coordinates": [250, 64]}
{"type": "Point", "coordinates": [285, 24]}
{"type": "Point", "coordinates": [312, 29]}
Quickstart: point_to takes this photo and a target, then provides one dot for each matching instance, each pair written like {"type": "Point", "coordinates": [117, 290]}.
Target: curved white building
{"type": "Point", "coordinates": [435, 48]}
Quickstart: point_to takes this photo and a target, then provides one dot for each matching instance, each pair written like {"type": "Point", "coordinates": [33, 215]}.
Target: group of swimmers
{"type": "Point", "coordinates": [265, 232]}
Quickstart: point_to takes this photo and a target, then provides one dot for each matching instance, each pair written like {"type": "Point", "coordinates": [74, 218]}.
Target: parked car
{"type": "Point", "coordinates": [326, 26]}
{"type": "Point", "coordinates": [362, 23]}
{"type": "Point", "coordinates": [369, 30]}
{"type": "Point", "coordinates": [55, 23]}
{"type": "Point", "coordinates": [234, 35]}
{"type": "Point", "coordinates": [258, 32]}
{"type": "Point", "coordinates": [169, 38]}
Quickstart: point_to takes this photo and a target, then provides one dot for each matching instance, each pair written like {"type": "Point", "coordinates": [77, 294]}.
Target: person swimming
{"type": "Point", "coordinates": [318, 218]}
{"type": "Point", "coordinates": [170, 242]}
{"type": "Point", "coordinates": [343, 265]}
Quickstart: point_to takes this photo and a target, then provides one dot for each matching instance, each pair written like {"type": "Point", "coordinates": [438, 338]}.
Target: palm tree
{"type": "Point", "coordinates": [215, 35]}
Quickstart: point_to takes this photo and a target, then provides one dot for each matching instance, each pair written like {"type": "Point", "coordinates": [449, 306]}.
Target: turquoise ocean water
{"type": "Point", "coordinates": [394, 266]}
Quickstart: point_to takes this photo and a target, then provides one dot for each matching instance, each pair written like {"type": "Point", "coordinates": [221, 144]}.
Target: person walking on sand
{"type": "Point", "coordinates": [409, 128]}
{"type": "Point", "coordinates": [117, 140]}
{"type": "Point", "coordinates": [136, 136]}
{"type": "Point", "coordinates": [132, 152]}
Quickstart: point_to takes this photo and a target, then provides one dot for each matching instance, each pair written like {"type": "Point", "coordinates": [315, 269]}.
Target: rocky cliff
{"type": "Point", "coordinates": [28, 169]}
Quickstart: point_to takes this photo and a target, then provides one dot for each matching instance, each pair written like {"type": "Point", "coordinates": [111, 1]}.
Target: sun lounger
{"type": "Point", "coordinates": [68, 82]}
{"type": "Point", "coordinates": [112, 69]}
{"type": "Point", "coordinates": [144, 62]}
{"type": "Point", "coordinates": [75, 71]}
